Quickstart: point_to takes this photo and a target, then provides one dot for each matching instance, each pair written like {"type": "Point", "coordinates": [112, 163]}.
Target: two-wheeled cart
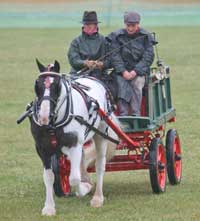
{"type": "Point", "coordinates": [142, 138]}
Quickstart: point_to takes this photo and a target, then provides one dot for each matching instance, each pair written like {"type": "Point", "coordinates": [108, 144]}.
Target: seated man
{"type": "Point", "coordinates": [131, 62]}
{"type": "Point", "coordinates": [87, 48]}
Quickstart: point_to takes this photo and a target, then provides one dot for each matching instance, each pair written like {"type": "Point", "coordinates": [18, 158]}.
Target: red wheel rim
{"type": "Point", "coordinates": [161, 162]}
{"type": "Point", "coordinates": [64, 171]}
{"type": "Point", "coordinates": [177, 158]}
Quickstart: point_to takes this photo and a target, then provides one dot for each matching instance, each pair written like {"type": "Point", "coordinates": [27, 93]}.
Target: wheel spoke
{"type": "Point", "coordinates": [177, 158]}
{"type": "Point", "coordinates": [64, 165]}
{"type": "Point", "coordinates": [161, 166]}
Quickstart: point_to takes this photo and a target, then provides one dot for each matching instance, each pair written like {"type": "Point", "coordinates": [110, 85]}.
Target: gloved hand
{"type": "Point", "coordinates": [129, 75]}
{"type": "Point", "coordinates": [126, 75]}
{"type": "Point", "coordinates": [99, 64]}
{"type": "Point", "coordinates": [133, 74]}
{"type": "Point", "coordinates": [90, 64]}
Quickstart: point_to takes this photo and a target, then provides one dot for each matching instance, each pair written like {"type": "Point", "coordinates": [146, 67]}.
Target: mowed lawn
{"type": "Point", "coordinates": [128, 195]}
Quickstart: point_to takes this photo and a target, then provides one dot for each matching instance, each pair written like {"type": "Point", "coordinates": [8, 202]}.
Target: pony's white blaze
{"type": "Point", "coordinates": [44, 112]}
{"type": "Point", "coordinates": [43, 116]}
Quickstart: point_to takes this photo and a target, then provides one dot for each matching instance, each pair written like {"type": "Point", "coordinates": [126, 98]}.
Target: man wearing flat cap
{"type": "Point", "coordinates": [87, 48]}
{"type": "Point", "coordinates": [131, 62]}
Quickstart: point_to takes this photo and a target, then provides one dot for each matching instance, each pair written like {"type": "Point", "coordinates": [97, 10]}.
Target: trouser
{"type": "Point", "coordinates": [135, 103]}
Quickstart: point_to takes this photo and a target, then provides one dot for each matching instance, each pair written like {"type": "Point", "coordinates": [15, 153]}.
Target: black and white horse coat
{"type": "Point", "coordinates": [55, 109]}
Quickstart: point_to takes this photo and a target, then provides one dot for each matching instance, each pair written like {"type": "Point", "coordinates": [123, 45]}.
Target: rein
{"type": "Point", "coordinates": [91, 127]}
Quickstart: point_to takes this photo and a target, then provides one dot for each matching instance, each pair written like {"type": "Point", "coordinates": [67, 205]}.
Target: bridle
{"type": "Point", "coordinates": [37, 104]}
{"type": "Point", "coordinates": [54, 114]}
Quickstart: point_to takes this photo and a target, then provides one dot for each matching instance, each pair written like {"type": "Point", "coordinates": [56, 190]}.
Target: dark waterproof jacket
{"type": "Point", "coordinates": [87, 47]}
{"type": "Point", "coordinates": [135, 53]}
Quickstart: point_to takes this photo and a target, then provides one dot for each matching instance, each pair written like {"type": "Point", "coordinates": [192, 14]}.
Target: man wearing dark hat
{"type": "Point", "coordinates": [131, 62]}
{"type": "Point", "coordinates": [87, 48]}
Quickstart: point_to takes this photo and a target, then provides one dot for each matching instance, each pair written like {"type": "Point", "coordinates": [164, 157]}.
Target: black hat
{"type": "Point", "coordinates": [90, 17]}
{"type": "Point", "coordinates": [131, 17]}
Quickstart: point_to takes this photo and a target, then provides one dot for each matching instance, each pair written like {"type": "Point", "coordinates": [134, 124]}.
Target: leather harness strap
{"type": "Point", "coordinates": [84, 122]}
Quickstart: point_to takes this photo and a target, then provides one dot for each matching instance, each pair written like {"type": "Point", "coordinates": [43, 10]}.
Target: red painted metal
{"type": "Point", "coordinates": [177, 160]}
{"type": "Point", "coordinates": [144, 136]}
{"type": "Point", "coordinates": [87, 144]}
{"type": "Point", "coordinates": [140, 138]}
{"type": "Point", "coordinates": [64, 172]}
{"type": "Point", "coordinates": [117, 130]}
{"type": "Point", "coordinates": [132, 142]}
{"type": "Point", "coordinates": [161, 171]}
{"type": "Point", "coordinates": [124, 163]}
{"type": "Point", "coordinates": [173, 119]}
{"type": "Point", "coordinates": [161, 128]}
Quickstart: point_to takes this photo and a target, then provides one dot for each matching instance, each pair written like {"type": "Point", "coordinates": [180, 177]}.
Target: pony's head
{"type": "Point", "coordinates": [47, 89]}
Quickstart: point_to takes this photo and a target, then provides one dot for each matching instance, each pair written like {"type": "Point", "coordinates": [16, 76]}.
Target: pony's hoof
{"type": "Point", "coordinates": [96, 202]}
{"type": "Point", "coordinates": [48, 211]}
{"type": "Point", "coordinates": [84, 189]}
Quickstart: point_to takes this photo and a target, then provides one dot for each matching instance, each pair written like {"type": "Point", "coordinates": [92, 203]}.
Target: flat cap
{"type": "Point", "coordinates": [131, 17]}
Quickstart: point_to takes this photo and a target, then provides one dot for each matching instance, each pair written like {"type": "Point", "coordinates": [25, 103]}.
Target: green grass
{"type": "Point", "coordinates": [128, 194]}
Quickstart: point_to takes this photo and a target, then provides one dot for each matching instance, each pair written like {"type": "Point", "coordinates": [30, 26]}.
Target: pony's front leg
{"type": "Point", "coordinates": [75, 155]}
{"type": "Point", "coordinates": [49, 207]}
{"type": "Point", "coordinates": [101, 147]}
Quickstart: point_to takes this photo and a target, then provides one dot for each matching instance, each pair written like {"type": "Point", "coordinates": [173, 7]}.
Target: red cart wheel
{"type": "Point", "coordinates": [157, 167]}
{"type": "Point", "coordinates": [174, 161]}
{"type": "Point", "coordinates": [61, 169]}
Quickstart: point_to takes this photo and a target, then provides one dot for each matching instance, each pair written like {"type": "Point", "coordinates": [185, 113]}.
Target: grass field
{"type": "Point", "coordinates": [128, 194]}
